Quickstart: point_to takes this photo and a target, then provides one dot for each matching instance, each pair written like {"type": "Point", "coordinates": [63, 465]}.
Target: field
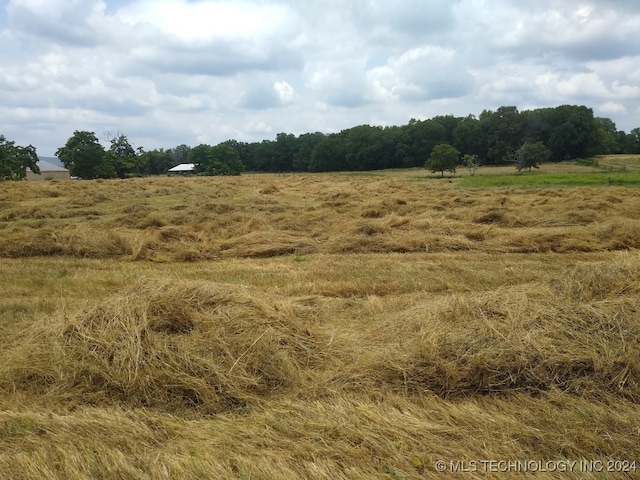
{"type": "Point", "coordinates": [326, 326]}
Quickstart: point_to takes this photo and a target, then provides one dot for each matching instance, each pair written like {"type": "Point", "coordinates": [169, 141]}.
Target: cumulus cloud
{"type": "Point", "coordinates": [612, 107]}
{"type": "Point", "coordinates": [74, 22]}
{"type": "Point", "coordinates": [423, 73]}
{"type": "Point", "coordinates": [167, 72]}
{"type": "Point", "coordinates": [286, 92]}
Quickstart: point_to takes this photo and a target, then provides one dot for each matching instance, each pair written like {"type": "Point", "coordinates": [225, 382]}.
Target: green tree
{"type": "Point", "coordinates": [422, 137]}
{"type": "Point", "coordinates": [530, 155]}
{"type": "Point", "coordinates": [471, 162]}
{"type": "Point", "coordinates": [329, 154]}
{"type": "Point", "coordinates": [284, 152]}
{"type": "Point", "coordinates": [471, 138]}
{"type": "Point", "coordinates": [505, 132]}
{"type": "Point", "coordinates": [219, 160]}
{"type": "Point", "coordinates": [306, 144]}
{"type": "Point", "coordinates": [155, 162]}
{"type": "Point", "coordinates": [226, 161]}
{"type": "Point", "coordinates": [368, 148]}
{"type": "Point", "coordinates": [243, 149]}
{"type": "Point", "coordinates": [574, 134]}
{"type": "Point", "coordinates": [630, 141]}
{"type": "Point", "coordinates": [450, 124]}
{"type": "Point", "coordinates": [607, 136]}
{"type": "Point", "coordinates": [14, 160]}
{"type": "Point", "coordinates": [122, 156]}
{"type": "Point", "coordinates": [443, 157]}
{"type": "Point", "coordinates": [179, 155]}
{"type": "Point", "coordinates": [260, 156]}
{"type": "Point", "coordinates": [85, 157]}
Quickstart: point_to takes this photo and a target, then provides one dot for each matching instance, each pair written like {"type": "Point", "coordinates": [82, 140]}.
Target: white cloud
{"type": "Point", "coordinates": [201, 22]}
{"type": "Point", "coordinates": [69, 22]}
{"type": "Point", "coordinates": [423, 73]}
{"type": "Point", "coordinates": [612, 107]}
{"type": "Point", "coordinates": [286, 92]}
{"type": "Point", "coordinates": [167, 72]}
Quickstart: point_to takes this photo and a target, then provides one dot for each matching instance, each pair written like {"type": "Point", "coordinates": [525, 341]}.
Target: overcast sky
{"type": "Point", "coordinates": [167, 72]}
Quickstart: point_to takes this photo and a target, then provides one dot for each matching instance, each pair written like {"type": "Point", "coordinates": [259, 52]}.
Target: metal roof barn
{"type": "Point", "coordinates": [182, 168]}
{"type": "Point", "coordinates": [50, 168]}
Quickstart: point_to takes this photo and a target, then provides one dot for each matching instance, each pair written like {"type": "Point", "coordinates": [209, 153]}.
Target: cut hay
{"type": "Point", "coordinates": [261, 217]}
{"type": "Point", "coordinates": [199, 346]}
{"type": "Point", "coordinates": [337, 327]}
{"type": "Point", "coordinates": [75, 240]}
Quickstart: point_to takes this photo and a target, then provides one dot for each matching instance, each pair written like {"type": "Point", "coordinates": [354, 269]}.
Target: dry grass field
{"type": "Point", "coordinates": [318, 326]}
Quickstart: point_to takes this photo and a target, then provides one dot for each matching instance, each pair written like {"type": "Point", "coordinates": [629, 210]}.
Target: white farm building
{"type": "Point", "coordinates": [183, 168]}
{"type": "Point", "coordinates": [50, 168]}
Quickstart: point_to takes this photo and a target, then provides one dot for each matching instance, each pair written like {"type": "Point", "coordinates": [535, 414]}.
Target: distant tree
{"type": "Point", "coordinates": [575, 133]}
{"type": "Point", "coordinates": [284, 152]}
{"type": "Point", "coordinates": [403, 156]}
{"type": "Point", "coordinates": [329, 154]}
{"type": "Point", "coordinates": [179, 154]}
{"type": "Point", "coordinates": [470, 137]}
{"type": "Point", "coordinates": [422, 137]}
{"type": "Point", "coordinates": [122, 155]}
{"type": "Point", "coordinates": [260, 156]}
{"type": "Point", "coordinates": [154, 162]}
{"type": "Point", "coordinates": [530, 155]}
{"type": "Point", "coordinates": [226, 161]}
{"type": "Point", "coordinates": [538, 124]}
{"type": "Point", "coordinates": [505, 132]}
{"type": "Point", "coordinates": [471, 162]}
{"type": "Point", "coordinates": [443, 157]}
{"type": "Point", "coordinates": [200, 157]}
{"type": "Point", "coordinates": [368, 148]}
{"type": "Point", "coordinates": [630, 142]}
{"type": "Point", "coordinates": [306, 144]}
{"type": "Point", "coordinates": [14, 160]}
{"type": "Point", "coordinates": [85, 157]}
{"type": "Point", "coordinates": [219, 160]}
{"type": "Point", "coordinates": [243, 150]}
{"type": "Point", "coordinates": [450, 124]}
{"type": "Point", "coordinates": [607, 136]}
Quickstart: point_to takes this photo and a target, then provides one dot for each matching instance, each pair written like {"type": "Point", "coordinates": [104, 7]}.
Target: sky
{"type": "Point", "coordinates": [171, 72]}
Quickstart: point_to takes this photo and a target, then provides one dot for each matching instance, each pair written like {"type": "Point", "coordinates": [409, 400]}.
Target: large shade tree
{"type": "Point", "coordinates": [530, 155]}
{"type": "Point", "coordinates": [123, 157]}
{"type": "Point", "coordinates": [14, 160]}
{"type": "Point", "coordinates": [219, 160]}
{"type": "Point", "coordinates": [443, 157]}
{"type": "Point", "coordinates": [85, 157]}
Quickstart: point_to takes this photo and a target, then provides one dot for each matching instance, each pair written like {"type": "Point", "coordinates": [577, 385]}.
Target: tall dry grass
{"type": "Point", "coordinates": [315, 327]}
{"type": "Point", "coordinates": [211, 218]}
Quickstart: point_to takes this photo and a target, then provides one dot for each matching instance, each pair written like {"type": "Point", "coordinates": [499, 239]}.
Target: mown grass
{"type": "Point", "coordinates": [315, 326]}
{"type": "Point", "coordinates": [626, 163]}
{"type": "Point", "coordinates": [534, 180]}
{"type": "Point", "coordinates": [603, 170]}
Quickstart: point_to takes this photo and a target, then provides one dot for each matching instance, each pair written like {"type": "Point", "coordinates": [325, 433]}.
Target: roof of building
{"type": "Point", "coordinates": [183, 167]}
{"type": "Point", "coordinates": [49, 164]}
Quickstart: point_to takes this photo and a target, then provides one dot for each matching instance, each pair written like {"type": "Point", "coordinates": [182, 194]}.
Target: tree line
{"type": "Point", "coordinates": [505, 135]}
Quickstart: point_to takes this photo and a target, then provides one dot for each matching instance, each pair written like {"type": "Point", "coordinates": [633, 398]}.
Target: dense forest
{"type": "Point", "coordinates": [569, 132]}
{"type": "Point", "coordinates": [565, 132]}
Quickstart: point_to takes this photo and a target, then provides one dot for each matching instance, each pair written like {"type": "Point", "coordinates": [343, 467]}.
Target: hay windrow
{"type": "Point", "coordinates": [203, 346]}
{"type": "Point", "coordinates": [579, 334]}
{"type": "Point", "coordinates": [509, 344]}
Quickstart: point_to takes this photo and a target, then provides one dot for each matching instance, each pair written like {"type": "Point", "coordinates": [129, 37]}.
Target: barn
{"type": "Point", "coordinates": [182, 169]}
{"type": "Point", "coordinates": [50, 168]}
